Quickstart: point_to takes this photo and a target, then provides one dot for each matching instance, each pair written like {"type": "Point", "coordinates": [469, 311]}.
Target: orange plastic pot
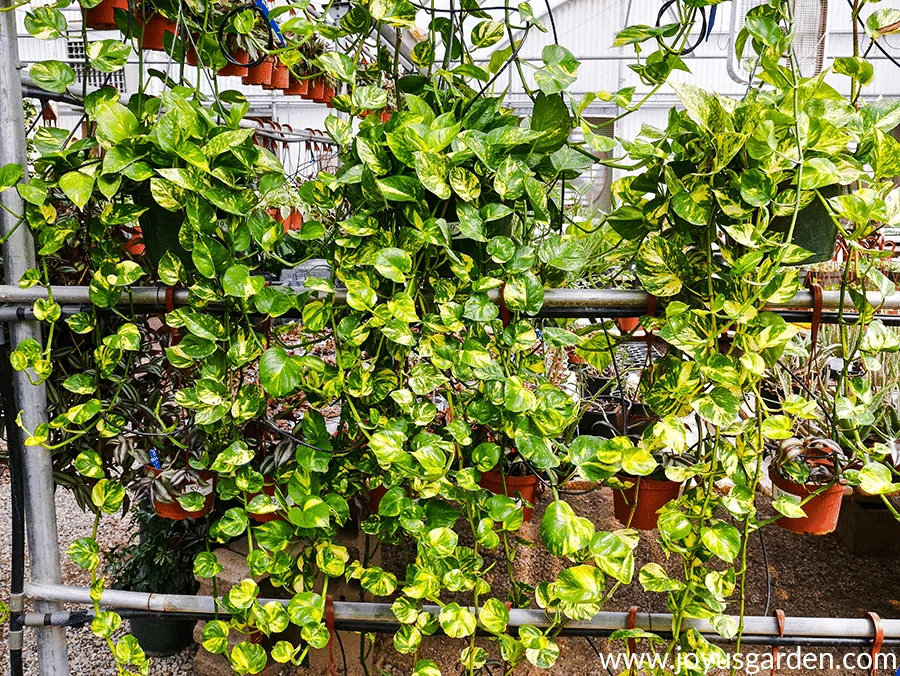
{"type": "Point", "coordinates": [233, 70]}
{"type": "Point", "coordinates": [297, 87]}
{"type": "Point", "coordinates": [268, 489]}
{"type": "Point", "coordinates": [652, 496]}
{"type": "Point", "coordinates": [281, 77]}
{"type": "Point", "coordinates": [316, 90]}
{"type": "Point", "coordinates": [174, 511]}
{"type": "Point", "coordinates": [190, 56]}
{"type": "Point", "coordinates": [385, 115]}
{"type": "Point", "coordinates": [135, 244]}
{"type": "Point", "coordinates": [294, 221]}
{"type": "Point", "coordinates": [260, 74]}
{"type": "Point", "coordinates": [523, 486]}
{"type": "Point", "coordinates": [822, 511]}
{"type": "Point", "coordinates": [375, 496]}
{"type": "Point", "coordinates": [327, 95]}
{"type": "Point", "coordinates": [155, 27]}
{"type": "Point", "coordinates": [103, 16]}
{"type": "Point", "coordinates": [628, 324]}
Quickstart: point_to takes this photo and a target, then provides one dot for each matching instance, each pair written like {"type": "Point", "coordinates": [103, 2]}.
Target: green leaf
{"type": "Point", "coordinates": [654, 579]}
{"type": "Point", "coordinates": [206, 565]}
{"type": "Point", "coordinates": [369, 97]}
{"type": "Point", "coordinates": [239, 283]}
{"type": "Point", "coordinates": [214, 637]}
{"type": "Point", "coordinates": [722, 539]}
{"type": "Point", "coordinates": [875, 479]}
{"type": "Point", "coordinates": [393, 263]}
{"type": "Point", "coordinates": [562, 532]}
{"type": "Point", "coordinates": [494, 616]}
{"type": "Point", "coordinates": [764, 29]}
{"type": "Point", "coordinates": [457, 622]}
{"type": "Point", "coordinates": [89, 463]}
{"type": "Point", "coordinates": [818, 172]}
{"type": "Point", "coordinates": [338, 65]}
{"type": "Point", "coordinates": [660, 266]}
{"type": "Point", "coordinates": [85, 553]}
{"type": "Point", "coordinates": [580, 584]}
{"type": "Point", "coordinates": [757, 187]}
{"type": "Point", "coordinates": [857, 67]}
{"type": "Point", "coordinates": [789, 506]}
{"type": "Point", "coordinates": [108, 56]}
{"type": "Point", "coordinates": [431, 169]}
{"type": "Point", "coordinates": [106, 624]}
{"type": "Point", "coordinates": [10, 174]}
{"type": "Point", "coordinates": [719, 407]}
{"type": "Point", "coordinates": [107, 495]}
{"type": "Point", "coordinates": [77, 187]}
{"type": "Point", "coordinates": [551, 116]}
{"type": "Point", "coordinates": [279, 372]}
{"type": "Point", "coordinates": [248, 658]}
{"type": "Point", "coordinates": [487, 33]}
{"type": "Point", "coordinates": [46, 23]}
{"type": "Point", "coordinates": [560, 70]}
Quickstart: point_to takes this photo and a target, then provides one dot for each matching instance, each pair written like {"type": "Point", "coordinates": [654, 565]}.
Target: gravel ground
{"type": "Point", "coordinates": [816, 577]}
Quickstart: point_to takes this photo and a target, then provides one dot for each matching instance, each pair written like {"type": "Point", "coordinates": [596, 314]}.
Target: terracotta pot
{"type": "Point", "coordinates": [652, 495]}
{"type": "Point", "coordinates": [385, 115]}
{"type": "Point", "coordinates": [639, 418]}
{"type": "Point", "coordinates": [276, 215]}
{"type": "Point", "coordinates": [822, 511]}
{"type": "Point", "coordinates": [294, 221]}
{"type": "Point", "coordinates": [174, 511]}
{"type": "Point", "coordinates": [316, 90]}
{"type": "Point", "coordinates": [190, 56]}
{"type": "Point", "coordinates": [628, 324]}
{"type": "Point", "coordinates": [232, 70]}
{"type": "Point", "coordinates": [297, 87]}
{"type": "Point", "coordinates": [260, 74]}
{"type": "Point", "coordinates": [524, 486]}
{"type": "Point", "coordinates": [103, 16]}
{"type": "Point", "coordinates": [375, 496]}
{"type": "Point", "coordinates": [327, 95]}
{"type": "Point", "coordinates": [281, 77]}
{"type": "Point", "coordinates": [155, 27]}
{"type": "Point", "coordinates": [268, 489]}
{"type": "Point", "coordinates": [135, 244]}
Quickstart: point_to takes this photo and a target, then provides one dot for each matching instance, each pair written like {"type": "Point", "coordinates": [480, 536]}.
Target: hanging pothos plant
{"type": "Point", "coordinates": [419, 361]}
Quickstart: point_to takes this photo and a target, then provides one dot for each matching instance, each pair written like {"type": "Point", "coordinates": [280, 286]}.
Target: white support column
{"type": "Point", "coordinates": [18, 256]}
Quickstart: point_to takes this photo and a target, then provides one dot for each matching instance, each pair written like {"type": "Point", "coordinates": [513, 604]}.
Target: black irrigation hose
{"type": "Point", "coordinates": [17, 496]}
{"type": "Point", "coordinates": [702, 10]}
{"type": "Point", "coordinates": [874, 41]}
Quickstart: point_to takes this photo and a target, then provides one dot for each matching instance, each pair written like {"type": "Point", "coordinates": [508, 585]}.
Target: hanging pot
{"type": "Point", "coordinates": [822, 511]}
{"type": "Point", "coordinates": [316, 90]}
{"type": "Point", "coordinates": [162, 636]}
{"type": "Point", "coordinates": [375, 496]}
{"type": "Point", "coordinates": [281, 77]}
{"type": "Point", "coordinates": [233, 70]}
{"type": "Point", "coordinates": [298, 87]}
{"type": "Point", "coordinates": [159, 229]}
{"type": "Point", "coordinates": [385, 116]}
{"type": "Point", "coordinates": [190, 56]}
{"type": "Point", "coordinates": [651, 495]}
{"type": "Point", "coordinates": [628, 324]}
{"type": "Point", "coordinates": [640, 416]}
{"type": "Point", "coordinates": [260, 74]}
{"type": "Point", "coordinates": [294, 221]}
{"type": "Point", "coordinates": [268, 489]}
{"type": "Point", "coordinates": [155, 27]}
{"type": "Point", "coordinates": [174, 511]}
{"type": "Point", "coordinates": [328, 95]}
{"type": "Point", "coordinates": [814, 230]}
{"type": "Point", "coordinates": [135, 242]}
{"type": "Point", "coordinates": [103, 16]}
{"type": "Point", "coordinates": [523, 486]}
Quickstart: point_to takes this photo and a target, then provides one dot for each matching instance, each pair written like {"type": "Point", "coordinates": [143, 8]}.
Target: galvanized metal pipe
{"type": "Point", "coordinates": [381, 613]}
{"type": "Point", "coordinates": [592, 299]}
{"type": "Point", "coordinates": [19, 256]}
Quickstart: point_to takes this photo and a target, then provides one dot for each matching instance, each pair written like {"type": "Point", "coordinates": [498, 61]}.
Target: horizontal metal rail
{"type": "Point", "coordinates": [370, 615]}
{"type": "Point", "coordinates": [595, 301]}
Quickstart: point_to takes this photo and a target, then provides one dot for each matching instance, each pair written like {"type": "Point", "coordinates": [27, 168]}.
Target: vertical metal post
{"type": "Point", "coordinates": [18, 256]}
